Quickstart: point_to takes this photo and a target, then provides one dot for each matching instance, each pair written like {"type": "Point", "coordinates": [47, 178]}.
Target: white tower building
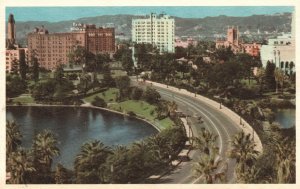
{"type": "Point", "coordinates": [158, 30]}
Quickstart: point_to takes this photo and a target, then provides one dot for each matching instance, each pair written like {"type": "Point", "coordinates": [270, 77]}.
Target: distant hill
{"type": "Point", "coordinates": [206, 27]}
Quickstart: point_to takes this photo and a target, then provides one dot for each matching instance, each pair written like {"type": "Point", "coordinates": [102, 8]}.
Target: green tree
{"type": "Point", "coordinates": [123, 83]}
{"type": "Point", "coordinates": [97, 101]}
{"type": "Point", "coordinates": [20, 167]}
{"type": "Point", "coordinates": [62, 175]}
{"type": "Point", "coordinates": [15, 86]}
{"type": "Point", "coordinates": [35, 67]}
{"type": "Point", "coordinates": [206, 169]}
{"type": "Point", "coordinates": [151, 95]}
{"type": "Point", "coordinates": [269, 75]}
{"type": "Point", "coordinates": [22, 64]}
{"type": "Point", "coordinates": [108, 80]}
{"type": "Point", "coordinates": [206, 142]}
{"type": "Point", "coordinates": [243, 150]}
{"type": "Point", "coordinates": [78, 56]}
{"type": "Point", "coordinates": [44, 150]}
{"type": "Point", "coordinates": [117, 163]}
{"type": "Point", "coordinates": [90, 163]}
{"type": "Point", "coordinates": [15, 67]}
{"type": "Point", "coordinates": [260, 75]}
{"type": "Point", "coordinates": [13, 137]}
{"type": "Point", "coordinates": [279, 78]}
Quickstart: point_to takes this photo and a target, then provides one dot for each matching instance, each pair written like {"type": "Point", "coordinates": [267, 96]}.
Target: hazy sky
{"type": "Point", "coordinates": [54, 14]}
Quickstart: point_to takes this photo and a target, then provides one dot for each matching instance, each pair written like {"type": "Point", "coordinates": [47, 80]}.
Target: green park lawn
{"type": "Point", "coordinates": [24, 99]}
{"type": "Point", "coordinates": [144, 110]}
{"type": "Point", "coordinates": [109, 96]}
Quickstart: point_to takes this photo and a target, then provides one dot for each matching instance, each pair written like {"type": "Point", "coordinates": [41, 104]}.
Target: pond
{"type": "Point", "coordinates": [286, 117]}
{"type": "Point", "coordinates": [75, 126]}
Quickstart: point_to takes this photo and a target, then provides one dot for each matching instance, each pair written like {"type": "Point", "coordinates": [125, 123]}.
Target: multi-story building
{"type": "Point", "coordinates": [281, 51]}
{"type": "Point", "coordinates": [13, 51]}
{"type": "Point", "coordinates": [14, 55]}
{"type": "Point", "coordinates": [53, 49]}
{"type": "Point", "coordinates": [236, 45]}
{"type": "Point", "coordinates": [158, 30]}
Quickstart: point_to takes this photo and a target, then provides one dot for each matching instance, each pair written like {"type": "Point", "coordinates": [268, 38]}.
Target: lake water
{"type": "Point", "coordinates": [75, 126]}
{"type": "Point", "coordinates": [286, 117]}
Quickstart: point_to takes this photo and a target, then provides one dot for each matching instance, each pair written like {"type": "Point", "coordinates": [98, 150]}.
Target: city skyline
{"type": "Point", "coordinates": [55, 14]}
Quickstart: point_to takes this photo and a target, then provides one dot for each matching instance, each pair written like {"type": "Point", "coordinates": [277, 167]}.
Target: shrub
{"type": "Point", "coordinates": [136, 93]}
{"type": "Point", "coordinates": [131, 113]}
{"type": "Point", "coordinates": [99, 102]}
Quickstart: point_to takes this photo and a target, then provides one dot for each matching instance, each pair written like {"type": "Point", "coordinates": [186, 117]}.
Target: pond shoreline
{"type": "Point", "coordinates": [87, 105]}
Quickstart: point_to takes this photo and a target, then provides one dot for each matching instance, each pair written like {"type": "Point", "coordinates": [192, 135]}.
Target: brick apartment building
{"type": "Point", "coordinates": [236, 45]}
{"type": "Point", "coordinates": [53, 49]}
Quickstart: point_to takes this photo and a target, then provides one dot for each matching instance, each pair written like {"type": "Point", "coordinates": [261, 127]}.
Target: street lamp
{"type": "Point", "coordinates": [112, 173]}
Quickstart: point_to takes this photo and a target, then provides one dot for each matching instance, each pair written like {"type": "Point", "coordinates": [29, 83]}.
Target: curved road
{"type": "Point", "coordinates": [214, 120]}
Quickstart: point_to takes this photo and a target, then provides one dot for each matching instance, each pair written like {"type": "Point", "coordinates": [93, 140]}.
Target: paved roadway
{"type": "Point", "coordinates": [214, 121]}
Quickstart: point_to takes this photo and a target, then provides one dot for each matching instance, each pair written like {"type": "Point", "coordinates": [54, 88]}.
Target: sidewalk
{"type": "Point", "coordinates": [229, 113]}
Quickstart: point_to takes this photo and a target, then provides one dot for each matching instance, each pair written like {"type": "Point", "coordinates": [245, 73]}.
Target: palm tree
{"type": "Point", "coordinates": [279, 78]}
{"type": "Point", "coordinates": [62, 175]}
{"type": "Point", "coordinates": [260, 75]}
{"type": "Point", "coordinates": [118, 164]}
{"type": "Point", "coordinates": [206, 141]}
{"type": "Point", "coordinates": [206, 169]}
{"type": "Point", "coordinates": [286, 160]}
{"type": "Point", "coordinates": [250, 176]}
{"type": "Point", "coordinates": [44, 150]}
{"type": "Point", "coordinates": [90, 162]}
{"type": "Point", "coordinates": [139, 158]}
{"type": "Point", "coordinates": [172, 107]}
{"type": "Point", "coordinates": [13, 137]}
{"type": "Point", "coordinates": [19, 166]}
{"type": "Point", "coordinates": [243, 150]}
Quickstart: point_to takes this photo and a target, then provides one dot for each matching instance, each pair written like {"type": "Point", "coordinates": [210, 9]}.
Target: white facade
{"type": "Point", "coordinates": [156, 30]}
{"type": "Point", "coordinates": [280, 51]}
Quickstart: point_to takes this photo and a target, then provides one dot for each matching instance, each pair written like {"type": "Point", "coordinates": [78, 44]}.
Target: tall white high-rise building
{"type": "Point", "coordinates": [158, 30]}
{"type": "Point", "coordinates": [281, 51]}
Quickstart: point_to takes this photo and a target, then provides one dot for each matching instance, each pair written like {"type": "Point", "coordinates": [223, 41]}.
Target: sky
{"type": "Point", "coordinates": [55, 14]}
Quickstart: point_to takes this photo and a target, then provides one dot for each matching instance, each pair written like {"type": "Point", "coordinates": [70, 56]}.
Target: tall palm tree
{"type": "Point", "coordinates": [243, 150]}
{"type": "Point", "coordinates": [139, 158]}
{"type": "Point", "coordinates": [13, 137]}
{"type": "Point", "coordinates": [279, 78]}
{"type": "Point", "coordinates": [206, 141]}
{"type": "Point", "coordinates": [118, 165]}
{"type": "Point", "coordinates": [206, 169]}
{"type": "Point", "coordinates": [44, 150]}
{"type": "Point", "coordinates": [286, 160]}
{"type": "Point", "coordinates": [90, 162]}
{"type": "Point", "coordinates": [172, 107]}
{"type": "Point", "coordinates": [260, 75]}
{"type": "Point", "coordinates": [62, 175]}
{"type": "Point", "coordinates": [19, 166]}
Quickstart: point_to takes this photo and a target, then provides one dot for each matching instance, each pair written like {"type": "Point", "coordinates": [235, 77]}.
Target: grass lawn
{"type": "Point", "coordinates": [252, 84]}
{"type": "Point", "coordinates": [142, 109]}
{"type": "Point", "coordinates": [108, 96]}
{"type": "Point", "coordinates": [24, 99]}
{"type": "Point", "coordinates": [116, 73]}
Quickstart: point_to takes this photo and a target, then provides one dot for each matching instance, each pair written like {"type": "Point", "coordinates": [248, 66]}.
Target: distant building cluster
{"type": "Point", "coordinates": [53, 49]}
{"type": "Point", "coordinates": [236, 45]}
{"type": "Point", "coordinates": [185, 43]}
{"type": "Point", "coordinates": [158, 30]}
